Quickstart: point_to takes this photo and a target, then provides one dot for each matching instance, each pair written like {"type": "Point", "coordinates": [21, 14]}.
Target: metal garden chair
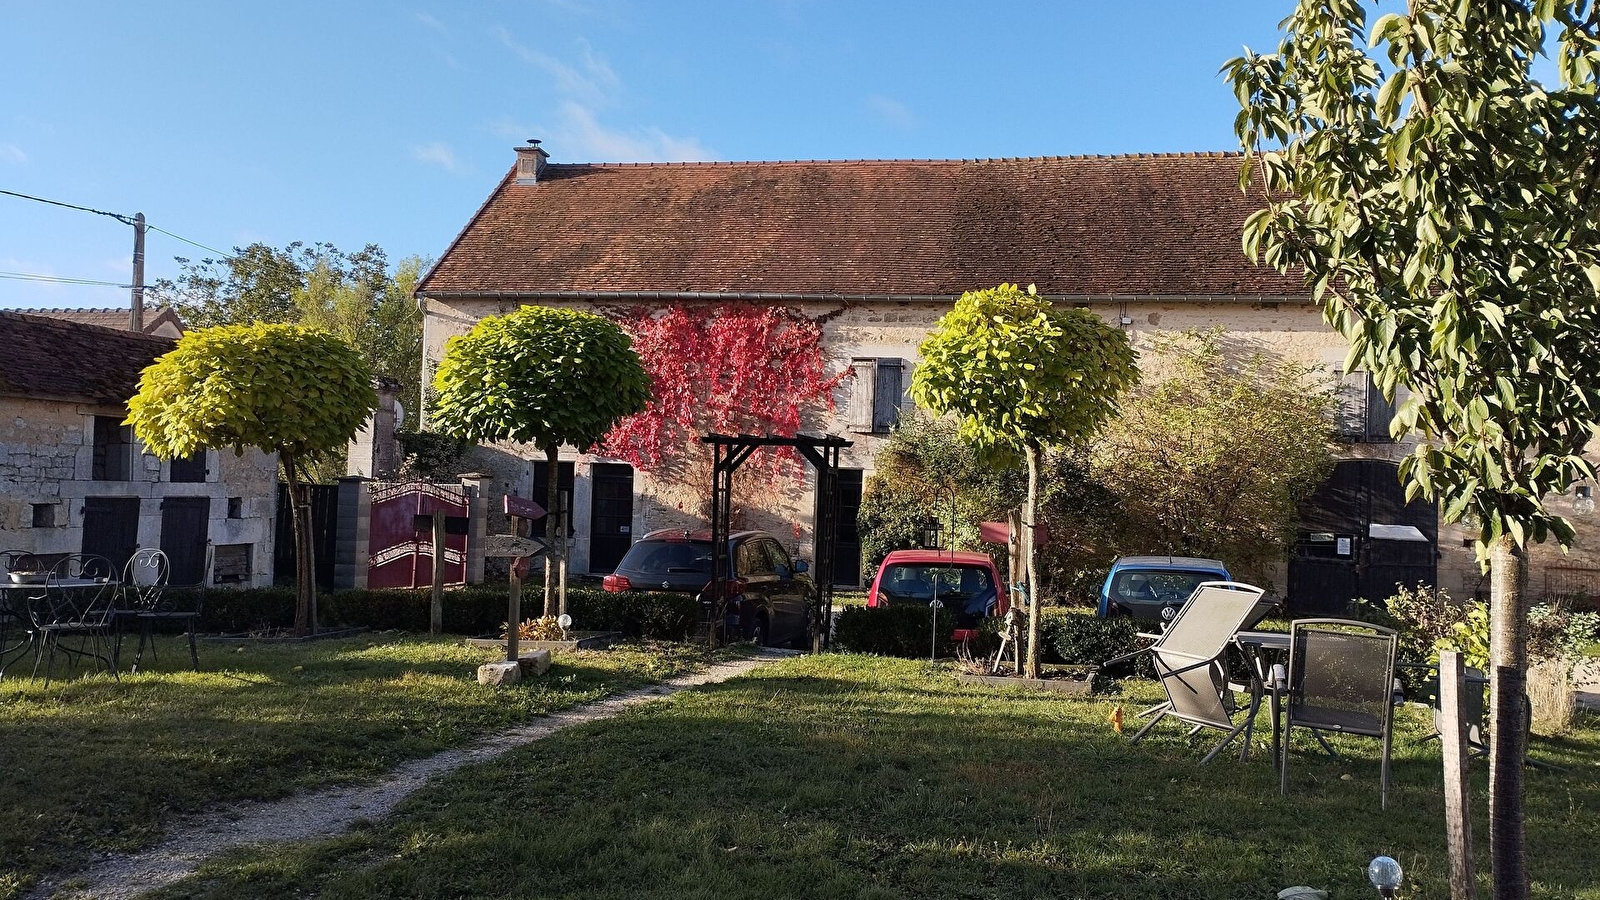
{"type": "Point", "coordinates": [16, 626]}
{"type": "Point", "coordinates": [1341, 680]}
{"type": "Point", "coordinates": [79, 602]}
{"type": "Point", "coordinates": [1188, 660]}
{"type": "Point", "coordinates": [146, 600]}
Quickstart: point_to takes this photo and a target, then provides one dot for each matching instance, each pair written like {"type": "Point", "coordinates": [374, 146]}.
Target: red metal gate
{"type": "Point", "coordinates": [401, 554]}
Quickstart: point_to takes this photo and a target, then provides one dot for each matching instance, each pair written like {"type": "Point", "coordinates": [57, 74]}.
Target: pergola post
{"type": "Point", "coordinates": [728, 453]}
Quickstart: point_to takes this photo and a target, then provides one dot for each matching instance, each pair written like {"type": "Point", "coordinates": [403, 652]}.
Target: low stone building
{"type": "Point", "coordinates": [877, 251]}
{"type": "Point", "coordinates": [74, 479]}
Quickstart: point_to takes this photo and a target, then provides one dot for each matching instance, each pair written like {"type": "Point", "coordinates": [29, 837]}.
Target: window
{"type": "Point", "coordinates": [235, 507]}
{"type": "Point", "coordinates": [777, 557]}
{"type": "Point", "coordinates": [189, 469]}
{"type": "Point", "coordinates": [44, 515]}
{"type": "Point", "coordinates": [113, 449]}
{"type": "Point", "coordinates": [1363, 415]}
{"type": "Point", "coordinates": [877, 391]}
{"type": "Point", "coordinates": [751, 560]}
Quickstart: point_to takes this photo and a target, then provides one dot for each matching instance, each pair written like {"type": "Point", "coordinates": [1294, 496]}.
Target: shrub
{"type": "Point", "coordinates": [1422, 615]}
{"type": "Point", "coordinates": [1077, 638]}
{"type": "Point", "coordinates": [904, 631]}
{"type": "Point", "coordinates": [235, 611]}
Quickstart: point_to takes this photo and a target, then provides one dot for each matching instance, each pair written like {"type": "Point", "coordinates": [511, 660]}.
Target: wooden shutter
{"type": "Point", "coordinates": [862, 373]}
{"type": "Point", "coordinates": [1380, 412]}
{"type": "Point", "coordinates": [887, 393]}
{"type": "Point", "coordinates": [1350, 419]}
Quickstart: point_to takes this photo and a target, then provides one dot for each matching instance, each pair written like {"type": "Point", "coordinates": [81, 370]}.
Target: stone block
{"type": "Point", "coordinates": [534, 662]}
{"type": "Point", "coordinates": [499, 674]}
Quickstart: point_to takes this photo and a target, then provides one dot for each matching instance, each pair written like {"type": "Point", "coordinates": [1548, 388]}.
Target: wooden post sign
{"type": "Point", "coordinates": [501, 546]}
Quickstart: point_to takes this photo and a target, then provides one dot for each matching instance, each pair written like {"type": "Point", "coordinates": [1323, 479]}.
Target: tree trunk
{"type": "Point", "coordinates": [1508, 718]}
{"type": "Point", "coordinates": [552, 528]}
{"type": "Point", "coordinates": [1034, 603]}
{"type": "Point", "coordinates": [305, 578]}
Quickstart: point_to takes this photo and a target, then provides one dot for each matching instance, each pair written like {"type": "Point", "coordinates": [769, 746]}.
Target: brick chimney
{"type": "Point", "coordinates": [530, 162]}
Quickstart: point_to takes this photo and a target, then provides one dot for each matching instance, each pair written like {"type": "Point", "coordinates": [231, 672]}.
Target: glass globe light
{"type": "Point", "coordinates": [1583, 500]}
{"type": "Point", "coordinates": [1385, 874]}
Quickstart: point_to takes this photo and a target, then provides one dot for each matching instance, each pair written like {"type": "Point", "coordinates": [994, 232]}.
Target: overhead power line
{"type": "Point", "coordinates": [222, 253]}
{"type": "Point", "coordinates": [59, 279]}
{"type": "Point", "coordinates": [126, 220]}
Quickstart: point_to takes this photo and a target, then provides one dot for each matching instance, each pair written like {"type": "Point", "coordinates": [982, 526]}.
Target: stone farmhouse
{"type": "Point", "coordinates": [878, 250]}
{"type": "Point", "coordinates": [74, 479]}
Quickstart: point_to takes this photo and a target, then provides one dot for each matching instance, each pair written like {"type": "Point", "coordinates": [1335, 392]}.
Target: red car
{"type": "Point", "coordinates": [966, 584]}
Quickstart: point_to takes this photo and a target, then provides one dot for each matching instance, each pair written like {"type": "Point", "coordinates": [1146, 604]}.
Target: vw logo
{"type": "Point", "coordinates": [1167, 613]}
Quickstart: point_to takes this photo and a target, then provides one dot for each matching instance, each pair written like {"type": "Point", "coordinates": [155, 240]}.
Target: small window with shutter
{"type": "Point", "coordinates": [1364, 414]}
{"type": "Point", "coordinates": [877, 392]}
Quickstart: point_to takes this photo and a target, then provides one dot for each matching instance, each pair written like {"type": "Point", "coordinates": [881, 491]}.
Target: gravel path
{"type": "Point", "coordinates": [1586, 681]}
{"type": "Point", "coordinates": [325, 813]}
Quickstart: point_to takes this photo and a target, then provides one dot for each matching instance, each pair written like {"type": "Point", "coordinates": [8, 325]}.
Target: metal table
{"type": "Point", "coordinates": [16, 596]}
{"type": "Point", "coordinates": [1256, 645]}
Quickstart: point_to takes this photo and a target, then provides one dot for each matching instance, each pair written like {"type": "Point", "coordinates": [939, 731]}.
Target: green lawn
{"type": "Point", "coordinates": [91, 765]}
{"type": "Point", "coordinates": [855, 777]}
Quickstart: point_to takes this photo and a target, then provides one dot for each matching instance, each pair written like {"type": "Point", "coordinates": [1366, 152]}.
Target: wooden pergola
{"type": "Point", "coordinates": [728, 453]}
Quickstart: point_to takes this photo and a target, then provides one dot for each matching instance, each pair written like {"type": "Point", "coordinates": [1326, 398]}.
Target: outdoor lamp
{"type": "Point", "coordinates": [1583, 500]}
{"type": "Point", "coordinates": [930, 533]}
{"type": "Point", "coordinates": [1384, 873]}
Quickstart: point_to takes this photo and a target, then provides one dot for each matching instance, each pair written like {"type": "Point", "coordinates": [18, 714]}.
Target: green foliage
{"type": "Point", "coordinates": [471, 611]}
{"type": "Point", "coordinates": [1083, 639]}
{"type": "Point", "coordinates": [920, 471]}
{"type": "Point", "coordinates": [1213, 456]}
{"type": "Point", "coordinates": [538, 375]}
{"type": "Point", "coordinates": [1018, 372]}
{"type": "Point", "coordinates": [1470, 637]}
{"type": "Point", "coordinates": [1440, 201]}
{"type": "Point", "coordinates": [1422, 616]}
{"type": "Point", "coordinates": [353, 295]}
{"type": "Point", "coordinates": [430, 456]}
{"type": "Point", "coordinates": [904, 631]}
{"type": "Point", "coordinates": [286, 389]}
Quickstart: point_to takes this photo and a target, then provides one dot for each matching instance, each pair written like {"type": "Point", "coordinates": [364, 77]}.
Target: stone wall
{"type": "Point", "coordinates": [874, 329]}
{"type": "Point", "coordinates": [47, 456]}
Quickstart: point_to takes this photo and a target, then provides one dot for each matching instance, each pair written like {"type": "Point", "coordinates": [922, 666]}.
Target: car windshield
{"type": "Point", "coordinates": [668, 558]}
{"type": "Point", "coordinates": [919, 581]}
{"type": "Point", "coordinates": [1158, 586]}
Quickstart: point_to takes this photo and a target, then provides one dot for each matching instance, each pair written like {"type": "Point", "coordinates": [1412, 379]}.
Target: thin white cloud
{"type": "Point", "coordinates": [579, 136]}
{"type": "Point", "coordinates": [437, 153]}
{"type": "Point", "coordinates": [431, 22]}
{"type": "Point", "coordinates": [596, 83]}
{"type": "Point", "coordinates": [891, 112]}
{"type": "Point", "coordinates": [11, 153]}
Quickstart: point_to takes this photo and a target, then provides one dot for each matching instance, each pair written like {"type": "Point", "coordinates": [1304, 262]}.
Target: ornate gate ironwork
{"type": "Point", "coordinates": [402, 554]}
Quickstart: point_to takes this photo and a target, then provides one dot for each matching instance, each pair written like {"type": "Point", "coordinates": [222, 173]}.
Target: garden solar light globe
{"type": "Point", "coordinates": [1384, 873]}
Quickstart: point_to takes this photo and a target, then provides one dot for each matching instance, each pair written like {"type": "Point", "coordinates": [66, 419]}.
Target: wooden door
{"type": "Point", "coordinates": [185, 526]}
{"type": "Point", "coordinates": [111, 528]}
{"type": "Point", "coordinates": [610, 517]}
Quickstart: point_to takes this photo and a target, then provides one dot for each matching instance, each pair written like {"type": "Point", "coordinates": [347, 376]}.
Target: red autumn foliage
{"type": "Point", "coordinates": [729, 369]}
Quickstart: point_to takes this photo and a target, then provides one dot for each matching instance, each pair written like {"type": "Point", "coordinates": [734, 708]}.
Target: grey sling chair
{"type": "Point", "coordinates": [1188, 659]}
{"type": "Point", "coordinates": [1341, 679]}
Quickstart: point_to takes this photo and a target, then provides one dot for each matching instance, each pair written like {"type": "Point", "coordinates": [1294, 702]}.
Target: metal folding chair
{"type": "Point", "coordinates": [1188, 660]}
{"type": "Point", "coordinates": [1341, 680]}
{"type": "Point", "coordinates": [146, 600]}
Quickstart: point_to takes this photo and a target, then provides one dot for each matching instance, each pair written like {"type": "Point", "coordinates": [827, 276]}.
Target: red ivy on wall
{"type": "Point", "coordinates": [729, 369]}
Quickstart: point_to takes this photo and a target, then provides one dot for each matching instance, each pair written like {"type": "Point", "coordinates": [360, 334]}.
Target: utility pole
{"type": "Point", "coordinates": [136, 313]}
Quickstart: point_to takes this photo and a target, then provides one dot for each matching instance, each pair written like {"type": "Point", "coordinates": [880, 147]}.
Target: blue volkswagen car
{"type": "Point", "coordinates": [1154, 587]}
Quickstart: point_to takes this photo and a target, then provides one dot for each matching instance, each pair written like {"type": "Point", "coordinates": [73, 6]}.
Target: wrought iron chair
{"type": "Point", "coordinates": [79, 601]}
{"type": "Point", "coordinates": [1340, 680]}
{"type": "Point", "coordinates": [146, 599]}
{"type": "Point", "coordinates": [16, 626]}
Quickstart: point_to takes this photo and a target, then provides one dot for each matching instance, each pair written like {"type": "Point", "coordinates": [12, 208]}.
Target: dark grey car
{"type": "Point", "coordinates": [770, 596]}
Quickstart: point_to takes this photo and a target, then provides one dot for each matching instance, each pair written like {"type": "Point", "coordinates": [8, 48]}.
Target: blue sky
{"type": "Point", "coordinates": [389, 123]}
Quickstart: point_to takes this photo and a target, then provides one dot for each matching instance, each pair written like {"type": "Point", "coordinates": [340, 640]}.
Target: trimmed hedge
{"type": "Point", "coordinates": [1071, 638]}
{"type": "Point", "coordinates": [475, 610]}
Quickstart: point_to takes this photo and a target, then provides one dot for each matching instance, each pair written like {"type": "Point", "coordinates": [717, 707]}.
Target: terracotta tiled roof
{"type": "Point", "coordinates": [1149, 225]}
{"type": "Point", "coordinates": [54, 359]}
{"type": "Point", "coordinates": [154, 317]}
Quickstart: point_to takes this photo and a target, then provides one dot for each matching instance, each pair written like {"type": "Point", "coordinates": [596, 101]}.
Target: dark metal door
{"type": "Point", "coordinates": [847, 549]}
{"type": "Point", "coordinates": [324, 534]}
{"type": "Point", "coordinates": [1336, 561]}
{"type": "Point", "coordinates": [111, 528]}
{"type": "Point", "coordinates": [185, 525]}
{"type": "Point", "coordinates": [610, 516]}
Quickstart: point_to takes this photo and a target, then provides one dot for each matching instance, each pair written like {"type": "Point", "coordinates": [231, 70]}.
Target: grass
{"type": "Point", "coordinates": [90, 764]}
{"type": "Point", "coordinates": [846, 776]}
